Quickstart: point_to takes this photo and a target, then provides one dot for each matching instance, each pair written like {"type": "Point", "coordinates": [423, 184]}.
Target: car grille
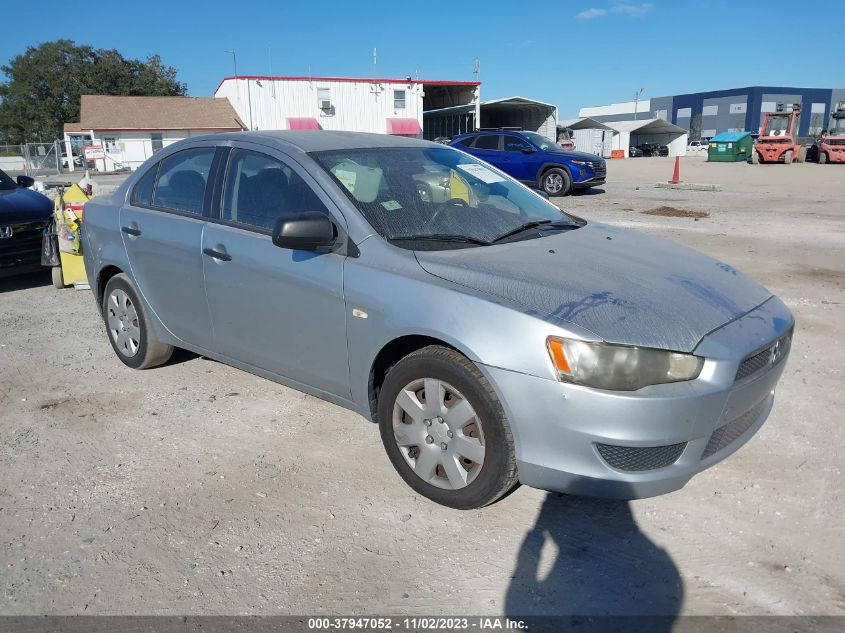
{"type": "Point", "coordinates": [24, 247]}
{"type": "Point", "coordinates": [730, 432]}
{"type": "Point", "coordinates": [639, 458]}
{"type": "Point", "coordinates": [768, 357]}
{"type": "Point", "coordinates": [835, 141]}
{"type": "Point", "coordinates": [600, 169]}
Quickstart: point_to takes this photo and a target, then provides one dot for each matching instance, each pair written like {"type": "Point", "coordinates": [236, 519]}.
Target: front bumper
{"type": "Point", "coordinates": [631, 445]}
{"type": "Point", "coordinates": [590, 182]}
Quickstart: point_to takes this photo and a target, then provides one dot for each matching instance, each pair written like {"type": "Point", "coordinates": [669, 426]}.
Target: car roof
{"type": "Point", "coordinates": [321, 140]}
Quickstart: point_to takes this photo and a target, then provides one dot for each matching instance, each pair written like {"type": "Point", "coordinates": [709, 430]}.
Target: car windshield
{"type": "Point", "coordinates": [545, 144]}
{"type": "Point", "coordinates": [6, 183]}
{"type": "Point", "coordinates": [436, 197]}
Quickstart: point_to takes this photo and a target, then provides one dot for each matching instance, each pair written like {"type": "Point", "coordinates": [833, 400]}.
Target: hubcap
{"type": "Point", "coordinates": [438, 433]}
{"type": "Point", "coordinates": [122, 319]}
{"type": "Point", "coordinates": [554, 183]}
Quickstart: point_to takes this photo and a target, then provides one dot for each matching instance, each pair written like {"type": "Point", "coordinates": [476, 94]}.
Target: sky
{"type": "Point", "coordinates": [569, 53]}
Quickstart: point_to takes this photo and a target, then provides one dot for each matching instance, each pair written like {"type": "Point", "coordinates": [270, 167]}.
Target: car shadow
{"type": "Point", "coordinates": [592, 191]}
{"type": "Point", "coordinates": [180, 356]}
{"type": "Point", "coordinates": [25, 282]}
{"type": "Point", "coordinates": [588, 557]}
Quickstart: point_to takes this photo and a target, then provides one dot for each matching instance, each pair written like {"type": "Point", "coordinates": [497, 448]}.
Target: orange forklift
{"type": "Point", "coordinates": [831, 146]}
{"type": "Point", "coordinates": [778, 141]}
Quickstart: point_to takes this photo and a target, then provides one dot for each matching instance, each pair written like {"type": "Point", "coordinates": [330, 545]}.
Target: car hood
{"type": "Point", "coordinates": [23, 205]}
{"type": "Point", "coordinates": [625, 287]}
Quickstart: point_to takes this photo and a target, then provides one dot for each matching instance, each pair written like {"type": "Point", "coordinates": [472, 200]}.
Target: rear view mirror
{"type": "Point", "coordinates": [25, 181]}
{"type": "Point", "coordinates": [308, 231]}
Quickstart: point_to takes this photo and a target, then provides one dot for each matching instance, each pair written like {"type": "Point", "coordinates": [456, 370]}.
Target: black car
{"type": "Point", "coordinates": [634, 152]}
{"type": "Point", "coordinates": [650, 149]}
{"type": "Point", "coordinates": [24, 214]}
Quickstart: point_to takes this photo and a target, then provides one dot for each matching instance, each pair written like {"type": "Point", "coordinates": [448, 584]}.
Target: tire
{"type": "Point", "coordinates": [802, 155]}
{"type": "Point", "coordinates": [755, 158]}
{"type": "Point", "coordinates": [555, 182]}
{"type": "Point", "coordinates": [480, 465]}
{"type": "Point", "coordinates": [128, 327]}
{"type": "Point", "coordinates": [58, 280]}
{"type": "Point", "coordinates": [787, 157]}
{"type": "Point", "coordinates": [822, 158]}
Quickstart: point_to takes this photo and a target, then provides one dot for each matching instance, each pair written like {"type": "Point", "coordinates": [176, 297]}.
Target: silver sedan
{"type": "Point", "coordinates": [494, 338]}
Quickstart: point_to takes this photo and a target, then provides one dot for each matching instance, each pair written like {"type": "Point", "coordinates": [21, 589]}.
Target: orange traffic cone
{"type": "Point", "coordinates": [676, 176]}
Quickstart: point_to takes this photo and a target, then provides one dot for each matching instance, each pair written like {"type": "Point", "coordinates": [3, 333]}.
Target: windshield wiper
{"type": "Point", "coordinates": [532, 225]}
{"type": "Point", "coordinates": [440, 237]}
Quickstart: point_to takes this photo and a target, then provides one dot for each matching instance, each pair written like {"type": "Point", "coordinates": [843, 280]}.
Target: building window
{"type": "Point", "coordinates": [737, 108]}
{"type": "Point", "coordinates": [157, 141]}
{"type": "Point", "coordinates": [398, 99]}
{"type": "Point", "coordinates": [110, 143]}
{"type": "Point", "coordinates": [324, 101]}
{"type": "Point", "coordinates": [710, 110]}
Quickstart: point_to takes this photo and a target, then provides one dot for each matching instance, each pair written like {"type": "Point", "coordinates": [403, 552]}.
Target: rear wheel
{"type": "Point", "coordinates": [787, 157]}
{"type": "Point", "coordinates": [556, 182]}
{"type": "Point", "coordinates": [802, 155]}
{"type": "Point", "coordinates": [822, 158]}
{"type": "Point", "coordinates": [445, 431]}
{"type": "Point", "coordinates": [130, 334]}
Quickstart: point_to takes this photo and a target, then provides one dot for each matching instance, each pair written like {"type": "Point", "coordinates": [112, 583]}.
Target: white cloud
{"type": "Point", "coordinates": [590, 14]}
{"type": "Point", "coordinates": [620, 8]}
{"type": "Point", "coordinates": [632, 10]}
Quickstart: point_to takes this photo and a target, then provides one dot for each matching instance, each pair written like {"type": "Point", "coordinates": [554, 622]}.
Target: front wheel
{"type": "Point", "coordinates": [130, 334]}
{"type": "Point", "coordinates": [755, 158]}
{"type": "Point", "coordinates": [445, 431]}
{"type": "Point", "coordinates": [556, 182]}
{"type": "Point", "coordinates": [822, 158]}
{"type": "Point", "coordinates": [802, 155]}
{"type": "Point", "coordinates": [787, 157]}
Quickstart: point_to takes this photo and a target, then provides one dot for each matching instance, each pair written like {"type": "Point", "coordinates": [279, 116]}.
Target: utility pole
{"type": "Point", "coordinates": [637, 102]}
{"type": "Point", "coordinates": [375, 56]}
{"type": "Point", "coordinates": [234, 60]}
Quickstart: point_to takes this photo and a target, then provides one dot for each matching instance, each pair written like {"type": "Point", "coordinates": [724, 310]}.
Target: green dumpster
{"type": "Point", "coordinates": [730, 147]}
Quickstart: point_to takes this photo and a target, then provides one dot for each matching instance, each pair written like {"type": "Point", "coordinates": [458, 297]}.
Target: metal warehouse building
{"type": "Point", "coordinates": [705, 114]}
{"type": "Point", "coordinates": [385, 106]}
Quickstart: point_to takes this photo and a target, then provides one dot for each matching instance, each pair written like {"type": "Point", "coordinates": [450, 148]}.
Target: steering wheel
{"type": "Point", "coordinates": [451, 204]}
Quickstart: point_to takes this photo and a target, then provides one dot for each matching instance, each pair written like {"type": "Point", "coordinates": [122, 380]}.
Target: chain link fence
{"type": "Point", "coordinates": [33, 159]}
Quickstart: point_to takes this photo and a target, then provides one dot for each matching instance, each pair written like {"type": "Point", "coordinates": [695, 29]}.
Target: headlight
{"type": "Point", "coordinates": [583, 163]}
{"type": "Point", "coordinates": [618, 367]}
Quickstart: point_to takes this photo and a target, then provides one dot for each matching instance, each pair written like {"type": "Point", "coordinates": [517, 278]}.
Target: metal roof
{"type": "Point", "coordinates": [583, 123]}
{"type": "Point", "coordinates": [372, 80]}
{"type": "Point", "coordinates": [730, 137]}
{"type": "Point", "coordinates": [516, 101]}
{"type": "Point", "coordinates": [650, 126]}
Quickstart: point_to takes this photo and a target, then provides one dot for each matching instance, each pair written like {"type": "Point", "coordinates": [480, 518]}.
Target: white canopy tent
{"type": "Point", "coordinates": [589, 135]}
{"type": "Point", "coordinates": [655, 131]}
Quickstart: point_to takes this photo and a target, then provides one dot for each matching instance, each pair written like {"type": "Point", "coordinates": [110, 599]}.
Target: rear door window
{"type": "Point", "coordinates": [489, 141]}
{"type": "Point", "coordinates": [182, 178]}
{"type": "Point", "coordinates": [466, 142]}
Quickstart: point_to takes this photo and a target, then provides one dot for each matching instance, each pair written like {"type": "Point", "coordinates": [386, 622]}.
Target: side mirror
{"type": "Point", "coordinates": [25, 181]}
{"type": "Point", "coordinates": [308, 231]}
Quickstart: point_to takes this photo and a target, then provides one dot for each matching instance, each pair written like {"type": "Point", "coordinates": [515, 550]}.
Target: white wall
{"type": "Point", "coordinates": [266, 104]}
{"type": "Point", "coordinates": [677, 143]}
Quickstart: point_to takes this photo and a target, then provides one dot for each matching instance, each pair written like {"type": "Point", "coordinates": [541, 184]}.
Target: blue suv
{"type": "Point", "coordinates": [535, 160]}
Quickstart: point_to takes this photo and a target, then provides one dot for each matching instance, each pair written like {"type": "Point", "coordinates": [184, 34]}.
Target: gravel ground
{"type": "Point", "coordinates": [196, 488]}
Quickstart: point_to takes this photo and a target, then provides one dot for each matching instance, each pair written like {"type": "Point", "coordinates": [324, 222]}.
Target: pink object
{"type": "Point", "coordinates": [303, 123]}
{"type": "Point", "coordinates": [404, 127]}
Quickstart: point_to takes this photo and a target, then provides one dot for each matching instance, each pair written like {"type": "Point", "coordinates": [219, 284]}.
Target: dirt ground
{"type": "Point", "coordinates": [196, 488]}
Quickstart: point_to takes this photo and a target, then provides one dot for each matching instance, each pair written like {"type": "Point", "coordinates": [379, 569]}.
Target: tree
{"type": "Point", "coordinates": [45, 83]}
{"type": "Point", "coordinates": [695, 129]}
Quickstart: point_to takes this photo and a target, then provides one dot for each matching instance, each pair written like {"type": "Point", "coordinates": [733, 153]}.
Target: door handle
{"type": "Point", "coordinates": [223, 257]}
{"type": "Point", "coordinates": [129, 230]}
